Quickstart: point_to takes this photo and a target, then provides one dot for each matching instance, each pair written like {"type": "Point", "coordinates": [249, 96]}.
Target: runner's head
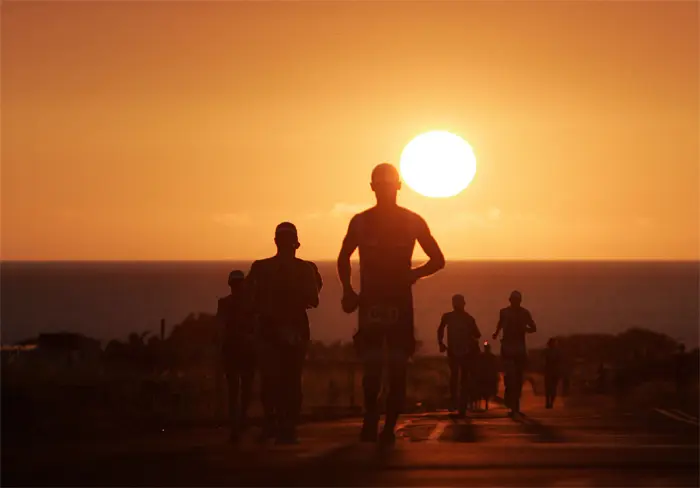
{"type": "Point", "coordinates": [286, 237]}
{"type": "Point", "coordinates": [458, 302]}
{"type": "Point", "coordinates": [385, 183]}
{"type": "Point", "coordinates": [516, 298]}
{"type": "Point", "coordinates": [235, 279]}
{"type": "Point", "coordinates": [487, 347]}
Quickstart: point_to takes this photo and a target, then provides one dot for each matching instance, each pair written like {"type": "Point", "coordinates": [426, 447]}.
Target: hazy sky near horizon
{"type": "Point", "coordinates": [188, 130]}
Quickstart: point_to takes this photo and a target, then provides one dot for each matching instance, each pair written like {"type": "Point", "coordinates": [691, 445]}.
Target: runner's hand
{"type": "Point", "coordinates": [350, 300]}
{"type": "Point", "coordinates": [495, 336]}
{"type": "Point", "coordinates": [443, 348]}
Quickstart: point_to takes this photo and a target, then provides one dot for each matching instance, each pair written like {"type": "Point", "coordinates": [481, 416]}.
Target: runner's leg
{"type": "Point", "coordinates": [508, 388]}
{"type": "Point", "coordinates": [269, 383]}
{"type": "Point", "coordinates": [465, 393]}
{"type": "Point", "coordinates": [294, 397]}
{"type": "Point", "coordinates": [233, 387]}
{"type": "Point", "coordinates": [247, 376]}
{"type": "Point", "coordinates": [372, 362]}
{"type": "Point", "coordinates": [397, 388]}
{"type": "Point", "coordinates": [518, 382]}
{"type": "Point", "coordinates": [453, 363]}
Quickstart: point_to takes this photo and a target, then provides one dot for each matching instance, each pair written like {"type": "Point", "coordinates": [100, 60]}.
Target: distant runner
{"type": "Point", "coordinates": [488, 374]}
{"type": "Point", "coordinates": [284, 287]}
{"type": "Point", "coordinates": [515, 321]}
{"type": "Point", "coordinates": [385, 235]}
{"type": "Point", "coordinates": [235, 313]}
{"type": "Point", "coordinates": [552, 371]}
{"type": "Point", "coordinates": [462, 351]}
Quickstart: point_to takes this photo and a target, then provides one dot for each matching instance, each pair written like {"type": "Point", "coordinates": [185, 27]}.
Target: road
{"type": "Point", "coordinates": [566, 446]}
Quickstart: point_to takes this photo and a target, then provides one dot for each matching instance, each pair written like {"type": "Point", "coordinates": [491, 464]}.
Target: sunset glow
{"type": "Point", "coordinates": [188, 130]}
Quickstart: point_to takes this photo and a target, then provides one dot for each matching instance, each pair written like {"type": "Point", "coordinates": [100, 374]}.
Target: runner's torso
{"type": "Point", "coordinates": [236, 312]}
{"type": "Point", "coordinates": [514, 321]}
{"type": "Point", "coordinates": [279, 300]}
{"type": "Point", "coordinates": [386, 239]}
{"type": "Point", "coordinates": [461, 333]}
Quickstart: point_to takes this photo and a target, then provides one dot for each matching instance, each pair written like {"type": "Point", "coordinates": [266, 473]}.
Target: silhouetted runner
{"type": "Point", "coordinates": [385, 235]}
{"type": "Point", "coordinates": [515, 321]}
{"type": "Point", "coordinates": [462, 352]}
{"type": "Point", "coordinates": [235, 312]}
{"type": "Point", "coordinates": [488, 374]}
{"type": "Point", "coordinates": [284, 287]}
{"type": "Point", "coordinates": [552, 371]}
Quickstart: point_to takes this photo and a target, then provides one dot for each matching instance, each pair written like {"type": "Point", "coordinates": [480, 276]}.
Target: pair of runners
{"type": "Point", "coordinates": [267, 328]}
{"type": "Point", "coordinates": [266, 321]}
{"type": "Point", "coordinates": [463, 351]}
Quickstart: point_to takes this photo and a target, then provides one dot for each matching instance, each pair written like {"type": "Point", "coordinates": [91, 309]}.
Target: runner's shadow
{"type": "Point", "coordinates": [464, 431]}
{"type": "Point", "coordinates": [542, 432]}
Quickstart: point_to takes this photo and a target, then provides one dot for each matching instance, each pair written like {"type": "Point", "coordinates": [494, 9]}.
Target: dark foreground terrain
{"type": "Point", "coordinates": [569, 446]}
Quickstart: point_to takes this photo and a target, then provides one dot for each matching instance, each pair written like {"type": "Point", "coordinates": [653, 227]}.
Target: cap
{"type": "Point", "coordinates": [385, 173]}
{"type": "Point", "coordinates": [516, 295]}
{"type": "Point", "coordinates": [235, 275]}
{"type": "Point", "coordinates": [286, 228]}
{"type": "Point", "coordinates": [458, 297]}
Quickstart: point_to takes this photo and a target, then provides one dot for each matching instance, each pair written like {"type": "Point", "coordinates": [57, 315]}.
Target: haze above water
{"type": "Point", "coordinates": [110, 300]}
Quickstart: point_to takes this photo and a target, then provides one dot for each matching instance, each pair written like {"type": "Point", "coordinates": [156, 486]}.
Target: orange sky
{"type": "Point", "coordinates": [185, 130]}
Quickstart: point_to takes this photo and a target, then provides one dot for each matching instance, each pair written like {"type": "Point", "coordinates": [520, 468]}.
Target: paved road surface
{"type": "Point", "coordinates": [566, 446]}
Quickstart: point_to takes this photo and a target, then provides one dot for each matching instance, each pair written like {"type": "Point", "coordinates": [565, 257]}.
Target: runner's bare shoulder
{"type": "Point", "coordinates": [412, 220]}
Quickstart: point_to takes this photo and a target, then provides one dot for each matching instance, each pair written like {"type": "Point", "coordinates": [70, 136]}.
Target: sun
{"type": "Point", "coordinates": [438, 164]}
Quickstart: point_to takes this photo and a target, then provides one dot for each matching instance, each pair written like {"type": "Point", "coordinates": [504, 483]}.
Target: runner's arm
{"type": "Point", "coordinates": [441, 330]}
{"type": "Point", "coordinates": [531, 326]}
{"type": "Point", "coordinates": [311, 287]}
{"type": "Point", "coordinates": [319, 280]}
{"type": "Point", "coordinates": [499, 326]}
{"type": "Point", "coordinates": [350, 243]}
{"type": "Point", "coordinates": [436, 260]}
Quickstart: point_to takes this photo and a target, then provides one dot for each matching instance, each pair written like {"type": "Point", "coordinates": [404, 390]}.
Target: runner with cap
{"type": "Point", "coordinates": [462, 351]}
{"type": "Point", "coordinates": [235, 313]}
{"type": "Point", "coordinates": [283, 288]}
{"type": "Point", "coordinates": [515, 321]}
{"type": "Point", "coordinates": [385, 235]}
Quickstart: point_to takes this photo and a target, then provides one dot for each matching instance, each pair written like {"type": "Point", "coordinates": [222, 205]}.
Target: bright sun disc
{"type": "Point", "coordinates": [438, 164]}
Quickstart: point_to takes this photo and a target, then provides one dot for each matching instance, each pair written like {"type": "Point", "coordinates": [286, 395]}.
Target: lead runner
{"type": "Point", "coordinates": [385, 235]}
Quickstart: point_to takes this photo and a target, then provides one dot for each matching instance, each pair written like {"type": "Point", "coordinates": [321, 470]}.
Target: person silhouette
{"type": "Point", "coordinates": [515, 321]}
{"type": "Point", "coordinates": [235, 313]}
{"type": "Point", "coordinates": [488, 373]}
{"type": "Point", "coordinates": [385, 235]}
{"type": "Point", "coordinates": [462, 351]}
{"type": "Point", "coordinates": [284, 287]}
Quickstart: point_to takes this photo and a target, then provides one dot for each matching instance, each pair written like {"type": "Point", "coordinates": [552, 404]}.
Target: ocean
{"type": "Point", "coordinates": [109, 300]}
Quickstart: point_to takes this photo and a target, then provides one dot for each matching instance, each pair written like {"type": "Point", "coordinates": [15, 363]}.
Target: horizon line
{"type": "Point", "coordinates": [332, 260]}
